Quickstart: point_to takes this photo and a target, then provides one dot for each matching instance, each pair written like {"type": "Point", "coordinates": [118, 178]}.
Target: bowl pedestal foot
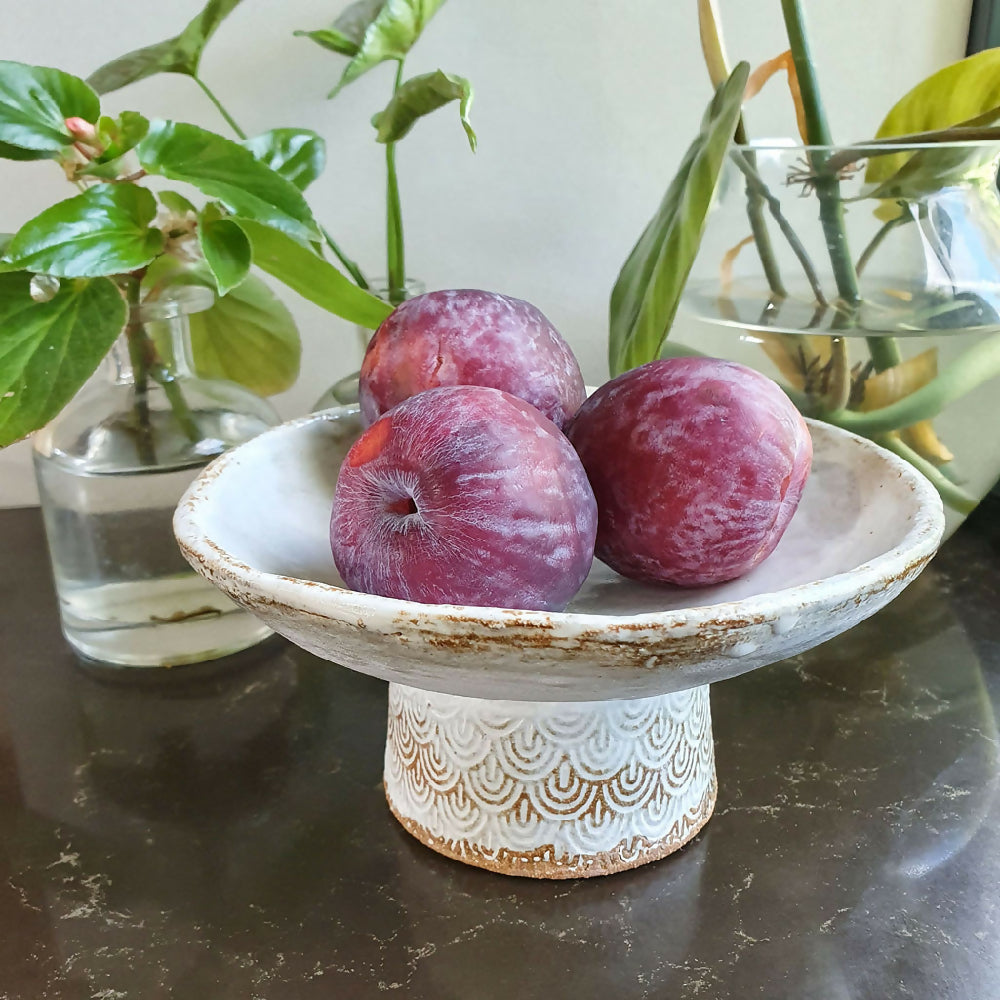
{"type": "Point", "coordinates": [550, 789]}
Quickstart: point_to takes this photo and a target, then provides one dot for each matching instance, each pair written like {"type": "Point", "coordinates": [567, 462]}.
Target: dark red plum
{"type": "Point", "coordinates": [470, 337]}
{"type": "Point", "coordinates": [464, 495]}
{"type": "Point", "coordinates": [697, 465]}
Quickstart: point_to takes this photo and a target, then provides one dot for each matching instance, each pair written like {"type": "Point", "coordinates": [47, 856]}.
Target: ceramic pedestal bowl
{"type": "Point", "coordinates": [554, 745]}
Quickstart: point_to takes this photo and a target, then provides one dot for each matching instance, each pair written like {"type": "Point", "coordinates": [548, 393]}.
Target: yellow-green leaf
{"type": "Point", "coordinates": [964, 90]}
{"type": "Point", "coordinates": [419, 96]}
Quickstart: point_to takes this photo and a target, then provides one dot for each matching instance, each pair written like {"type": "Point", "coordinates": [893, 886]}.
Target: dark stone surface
{"type": "Point", "coordinates": [222, 834]}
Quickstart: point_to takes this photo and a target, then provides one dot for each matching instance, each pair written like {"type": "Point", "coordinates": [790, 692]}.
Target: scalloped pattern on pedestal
{"type": "Point", "coordinates": [550, 789]}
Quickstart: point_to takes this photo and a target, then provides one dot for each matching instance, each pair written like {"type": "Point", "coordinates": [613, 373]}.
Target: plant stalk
{"type": "Point", "coordinates": [230, 121]}
{"type": "Point", "coordinates": [971, 369]}
{"type": "Point", "coordinates": [395, 253]}
{"type": "Point", "coordinates": [953, 496]}
{"type": "Point", "coordinates": [756, 182]}
{"type": "Point", "coordinates": [178, 404]}
{"type": "Point", "coordinates": [831, 206]}
{"type": "Point", "coordinates": [758, 224]}
{"type": "Point", "coordinates": [349, 265]}
{"type": "Point", "coordinates": [138, 352]}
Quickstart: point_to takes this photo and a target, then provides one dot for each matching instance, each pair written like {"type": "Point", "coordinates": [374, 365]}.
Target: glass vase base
{"type": "Point", "coordinates": [169, 622]}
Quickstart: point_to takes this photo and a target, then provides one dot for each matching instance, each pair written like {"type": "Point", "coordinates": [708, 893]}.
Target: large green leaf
{"type": "Point", "coordinates": [312, 277]}
{"type": "Point", "coordinates": [646, 294]}
{"type": "Point", "coordinates": [249, 337]}
{"type": "Point", "coordinates": [419, 96]}
{"type": "Point", "coordinates": [180, 54]}
{"type": "Point", "coordinates": [49, 349]}
{"type": "Point", "coordinates": [105, 230]}
{"type": "Point", "coordinates": [298, 154]}
{"type": "Point", "coordinates": [35, 103]}
{"type": "Point", "coordinates": [226, 170]}
{"type": "Point", "coordinates": [225, 248]}
{"type": "Point", "coordinates": [390, 30]}
{"type": "Point", "coordinates": [966, 90]}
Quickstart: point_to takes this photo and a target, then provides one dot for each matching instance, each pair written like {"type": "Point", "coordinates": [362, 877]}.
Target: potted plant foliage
{"type": "Point", "coordinates": [126, 271]}
{"type": "Point", "coordinates": [864, 277]}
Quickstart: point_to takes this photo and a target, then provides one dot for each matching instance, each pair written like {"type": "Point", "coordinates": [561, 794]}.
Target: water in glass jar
{"type": "Point", "coordinates": [126, 594]}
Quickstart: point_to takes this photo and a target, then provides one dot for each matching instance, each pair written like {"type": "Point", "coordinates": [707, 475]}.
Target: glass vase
{"type": "Point", "coordinates": [345, 390]}
{"type": "Point", "coordinates": [866, 281]}
{"type": "Point", "coordinates": [112, 467]}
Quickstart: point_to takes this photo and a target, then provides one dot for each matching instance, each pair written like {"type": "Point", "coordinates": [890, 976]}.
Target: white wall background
{"type": "Point", "coordinates": [583, 110]}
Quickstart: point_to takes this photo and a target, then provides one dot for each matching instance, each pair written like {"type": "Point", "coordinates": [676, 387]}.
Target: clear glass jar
{"type": "Point", "coordinates": [345, 391]}
{"type": "Point", "coordinates": [913, 361]}
{"type": "Point", "coordinates": [112, 467]}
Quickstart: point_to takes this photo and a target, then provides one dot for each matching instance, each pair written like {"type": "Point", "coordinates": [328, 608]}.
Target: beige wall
{"type": "Point", "coordinates": [583, 110]}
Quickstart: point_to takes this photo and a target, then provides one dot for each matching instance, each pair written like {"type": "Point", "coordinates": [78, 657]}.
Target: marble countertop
{"type": "Point", "coordinates": [223, 834]}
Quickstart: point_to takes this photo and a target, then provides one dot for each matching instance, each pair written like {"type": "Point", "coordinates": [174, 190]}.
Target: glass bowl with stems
{"type": "Point", "coordinates": [865, 280]}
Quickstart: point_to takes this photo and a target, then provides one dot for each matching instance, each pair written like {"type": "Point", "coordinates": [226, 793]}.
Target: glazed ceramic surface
{"type": "Point", "coordinates": [256, 523]}
{"type": "Point", "coordinates": [550, 789]}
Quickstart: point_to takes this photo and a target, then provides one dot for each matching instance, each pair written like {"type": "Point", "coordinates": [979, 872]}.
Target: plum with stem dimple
{"type": "Point", "coordinates": [470, 337]}
{"type": "Point", "coordinates": [464, 495]}
{"type": "Point", "coordinates": [697, 465]}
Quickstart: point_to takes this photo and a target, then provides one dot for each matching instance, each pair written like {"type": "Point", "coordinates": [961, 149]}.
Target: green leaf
{"type": "Point", "coordinates": [181, 54]}
{"type": "Point", "coordinates": [348, 31]}
{"type": "Point", "coordinates": [390, 30]}
{"type": "Point", "coordinates": [645, 297]}
{"type": "Point", "coordinates": [49, 349]}
{"type": "Point", "coordinates": [105, 230]}
{"type": "Point", "coordinates": [965, 90]}
{"type": "Point", "coordinates": [176, 203]}
{"type": "Point", "coordinates": [312, 277]}
{"type": "Point", "coordinates": [9, 152]}
{"type": "Point", "coordinates": [225, 247]}
{"type": "Point", "coordinates": [248, 336]}
{"type": "Point", "coordinates": [35, 103]}
{"type": "Point", "coordinates": [330, 39]}
{"type": "Point", "coordinates": [119, 135]}
{"type": "Point", "coordinates": [419, 96]}
{"type": "Point", "coordinates": [298, 154]}
{"type": "Point", "coordinates": [227, 171]}
{"type": "Point", "coordinates": [929, 170]}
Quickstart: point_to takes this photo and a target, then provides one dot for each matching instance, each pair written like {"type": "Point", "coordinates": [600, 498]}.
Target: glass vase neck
{"type": "Point", "coordinates": [157, 334]}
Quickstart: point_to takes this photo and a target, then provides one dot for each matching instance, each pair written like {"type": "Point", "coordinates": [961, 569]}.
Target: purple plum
{"type": "Point", "coordinates": [464, 495]}
{"type": "Point", "coordinates": [697, 465]}
{"type": "Point", "coordinates": [470, 337]}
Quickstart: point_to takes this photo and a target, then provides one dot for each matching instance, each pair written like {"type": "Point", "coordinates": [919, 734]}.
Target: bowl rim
{"type": "Point", "coordinates": [335, 603]}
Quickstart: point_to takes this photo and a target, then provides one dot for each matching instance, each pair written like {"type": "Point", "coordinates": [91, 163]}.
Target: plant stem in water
{"type": "Point", "coordinates": [975, 366]}
{"type": "Point", "coordinates": [175, 396]}
{"type": "Point", "coordinates": [138, 352]}
{"type": "Point", "coordinates": [756, 183]}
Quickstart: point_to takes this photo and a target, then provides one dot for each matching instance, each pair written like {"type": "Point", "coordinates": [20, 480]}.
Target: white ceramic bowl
{"type": "Point", "coordinates": [256, 523]}
{"type": "Point", "coordinates": [488, 705]}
